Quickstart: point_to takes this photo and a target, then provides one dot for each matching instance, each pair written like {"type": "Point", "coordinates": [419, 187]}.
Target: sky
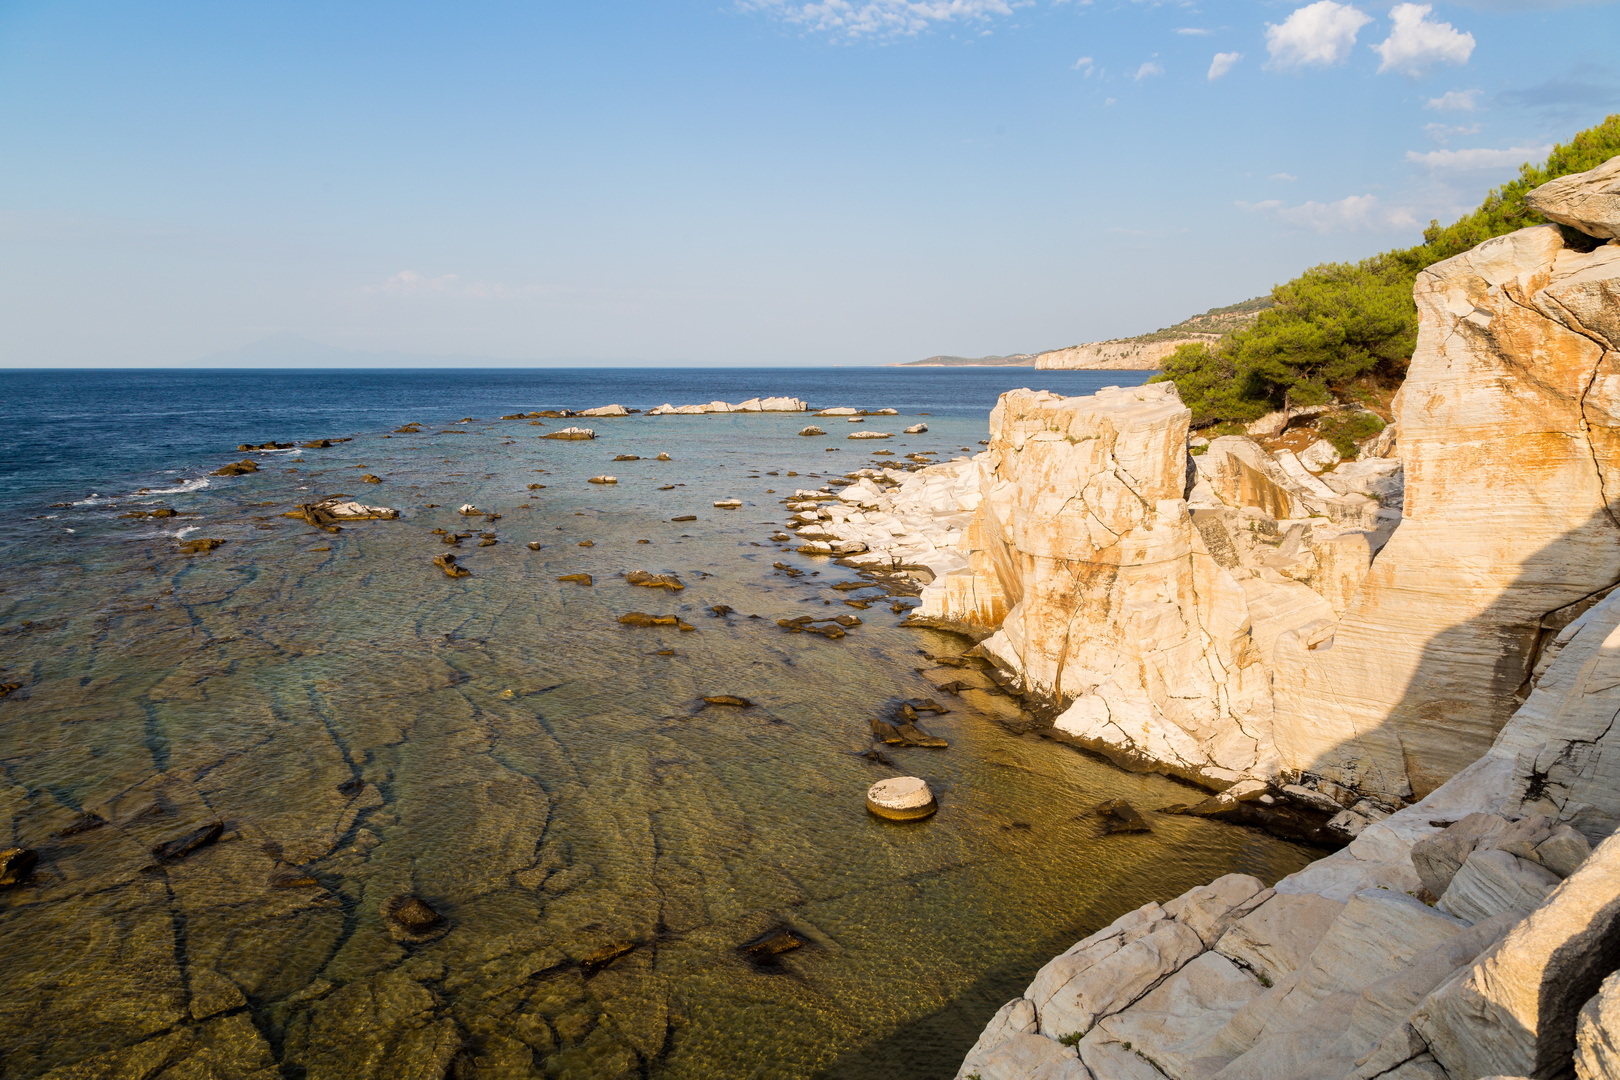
{"type": "Point", "coordinates": [737, 182]}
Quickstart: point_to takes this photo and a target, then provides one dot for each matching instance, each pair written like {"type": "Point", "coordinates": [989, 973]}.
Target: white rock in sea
{"type": "Point", "coordinates": [468, 509]}
{"type": "Point", "coordinates": [901, 798]}
{"type": "Point", "coordinates": [812, 430]}
{"type": "Point", "coordinates": [606, 410]}
{"type": "Point", "coordinates": [570, 433]}
{"type": "Point", "coordinates": [729, 504]}
{"type": "Point", "coordinates": [604, 480]}
{"type": "Point", "coordinates": [916, 429]}
{"type": "Point", "coordinates": [841, 410]}
{"type": "Point", "coordinates": [870, 435]}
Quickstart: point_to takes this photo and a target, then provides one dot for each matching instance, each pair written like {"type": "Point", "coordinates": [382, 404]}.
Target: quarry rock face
{"type": "Point", "coordinates": [1508, 440]}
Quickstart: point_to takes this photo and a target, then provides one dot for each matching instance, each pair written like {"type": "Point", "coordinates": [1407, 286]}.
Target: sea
{"type": "Point", "coordinates": [234, 761]}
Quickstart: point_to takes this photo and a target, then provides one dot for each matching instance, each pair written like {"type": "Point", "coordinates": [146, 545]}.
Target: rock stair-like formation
{"type": "Point", "coordinates": [1243, 622]}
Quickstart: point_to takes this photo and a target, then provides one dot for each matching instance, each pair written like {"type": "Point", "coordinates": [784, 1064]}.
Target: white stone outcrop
{"type": "Point", "coordinates": [1120, 354]}
{"type": "Point", "coordinates": [770, 404]}
{"type": "Point", "coordinates": [1509, 443]}
{"type": "Point", "coordinates": [1470, 662]}
{"type": "Point", "coordinates": [1340, 972]}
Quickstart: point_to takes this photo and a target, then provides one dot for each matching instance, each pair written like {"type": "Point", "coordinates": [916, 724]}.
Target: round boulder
{"type": "Point", "coordinates": [901, 798]}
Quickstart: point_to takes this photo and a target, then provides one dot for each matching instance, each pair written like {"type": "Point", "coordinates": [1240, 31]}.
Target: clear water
{"type": "Point", "coordinates": [502, 747]}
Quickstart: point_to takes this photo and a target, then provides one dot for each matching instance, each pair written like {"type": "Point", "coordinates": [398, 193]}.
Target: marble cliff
{"type": "Point", "coordinates": [1421, 642]}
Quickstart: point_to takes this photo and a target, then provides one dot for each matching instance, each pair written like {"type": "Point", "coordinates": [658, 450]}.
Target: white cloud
{"type": "Point", "coordinates": [1283, 176]}
{"type": "Point", "coordinates": [1355, 213]}
{"type": "Point", "coordinates": [880, 18]}
{"type": "Point", "coordinates": [1455, 101]}
{"type": "Point", "coordinates": [1468, 160]}
{"type": "Point", "coordinates": [1148, 68]}
{"type": "Point", "coordinates": [1416, 42]}
{"type": "Point", "coordinates": [1319, 33]}
{"type": "Point", "coordinates": [1223, 62]}
{"type": "Point", "coordinates": [1193, 31]}
{"type": "Point", "coordinates": [1443, 133]}
{"type": "Point", "coordinates": [1084, 64]}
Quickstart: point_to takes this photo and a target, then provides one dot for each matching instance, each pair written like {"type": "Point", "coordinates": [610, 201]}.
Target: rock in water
{"type": "Point", "coordinates": [627, 457]}
{"type": "Point", "coordinates": [1120, 816]}
{"type": "Point", "coordinates": [812, 430]}
{"type": "Point", "coordinates": [570, 433]}
{"type": "Point", "coordinates": [916, 429]}
{"type": "Point", "coordinates": [200, 545]}
{"type": "Point", "coordinates": [728, 699]}
{"type": "Point", "coordinates": [451, 568]}
{"type": "Point", "coordinates": [654, 581]}
{"type": "Point", "coordinates": [238, 468]}
{"type": "Point", "coordinates": [16, 866]}
{"type": "Point", "coordinates": [604, 480]}
{"type": "Point", "coordinates": [870, 435]}
{"type": "Point", "coordinates": [411, 920]}
{"type": "Point", "coordinates": [771, 944]}
{"type": "Point", "coordinates": [901, 798]}
{"type": "Point", "coordinates": [578, 579]}
{"type": "Point", "coordinates": [728, 504]}
{"type": "Point", "coordinates": [181, 846]}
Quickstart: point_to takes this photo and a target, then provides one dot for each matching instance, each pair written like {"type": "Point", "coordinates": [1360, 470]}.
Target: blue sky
{"type": "Point", "coordinates": [739, 181]}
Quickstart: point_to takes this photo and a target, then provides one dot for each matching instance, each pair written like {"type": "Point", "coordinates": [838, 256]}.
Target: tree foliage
{"type": "Point", "coordinates": [1342, 323]}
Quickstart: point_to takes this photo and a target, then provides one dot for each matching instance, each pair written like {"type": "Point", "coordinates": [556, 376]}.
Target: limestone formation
{"type": "Point", "coordinates": [1588, 201]}
{"type": "Point", "coordinates": [1123, 354]}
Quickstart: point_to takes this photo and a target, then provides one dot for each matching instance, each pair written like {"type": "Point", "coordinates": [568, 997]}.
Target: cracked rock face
{"type": "Point", "coordinates": [1084, 554]}
{"type": "Point", "coordinates": [1511, 445]}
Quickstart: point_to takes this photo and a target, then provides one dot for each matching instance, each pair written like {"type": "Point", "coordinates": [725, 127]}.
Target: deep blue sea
{"type": "Point", "coordinates": [67, 433]}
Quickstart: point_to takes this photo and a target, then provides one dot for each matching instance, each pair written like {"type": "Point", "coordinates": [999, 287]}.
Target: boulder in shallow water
{"type": "Point", "coordinates": [870, 435]}
{"type": "Point", "coordinates": [604, 480]}
{"type": "Point", "coordinates": [812, 430]}
{"type": "Point", "coordinates": [181, 846]}
{"type": "Point", "coordinates": [578, 579]}
{"type": "Point", "coordinates": [916, 429]}
{"type": "Point", "coordinates": [1120, 816]}
{"type": "Point", "coordinates": [654, 581]}
{"type": "Point", "coordinates": [200, 545]}
{"type": "Point", "coordinates": [641, 618]}
{"type": "Point", "coordinates": [16, 866]}
{"type": "Point", "coordinates": [570, 434]}
{"type": "Point", "coordinates": [729, 699]}
{"type": "Point", "coordinates": [451, 568]}
{"type": "Point", "coordinates": [606, 410]}
{"type": "Point", "coordinates": [411, 920]}
{"type": "Point", "coordinates": [901, 798]}
{"type": "Point", "coordinates": [238, 468]}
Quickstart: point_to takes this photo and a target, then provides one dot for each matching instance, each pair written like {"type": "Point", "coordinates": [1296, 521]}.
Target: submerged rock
{"type": "Point", "coordinates": [764, 948]}
{"type": "Point", "coordinates": [411, 920]}
{"type": "Point", "coordinates": [728, 699]}
{"type": "Point", "coordinates": [654, 581]}
{"type": "Point", "coordinates": [641, 618]}
{"type": "Point", "coordinates": [901, 798]}
{"type": "Point", "coordinates": [581, 579]}
{"type": "Point", "coordinates": [451, 568]}
{"type": "Point", "coordinates": [16, 866]}
{"type": "Point", "coordinates": [1120, 816]}
{"type": "Point", "coordinates": [200, 545]}
{"type": "Point", "coordinates": [181, 846]}
{"type": "Point", "coordinates": [627, 457]}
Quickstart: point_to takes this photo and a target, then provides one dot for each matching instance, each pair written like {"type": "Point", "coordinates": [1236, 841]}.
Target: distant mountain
{"type": "Point", "coordinates": [1146, 352]}
{"type": "Point", "coordinates": [1016, 360]}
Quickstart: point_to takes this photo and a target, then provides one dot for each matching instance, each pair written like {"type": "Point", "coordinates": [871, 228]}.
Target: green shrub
{"type": "Point", "coordinates": [1340, 326]}
{"type": "Point", "coordinates": [1071, 1038]}
{"type": "Point", "coordinates": [1346, 430]}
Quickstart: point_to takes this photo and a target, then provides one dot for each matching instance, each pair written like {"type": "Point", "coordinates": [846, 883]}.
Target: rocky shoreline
{"type": "Point", "coordinates": [1422, 642]}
